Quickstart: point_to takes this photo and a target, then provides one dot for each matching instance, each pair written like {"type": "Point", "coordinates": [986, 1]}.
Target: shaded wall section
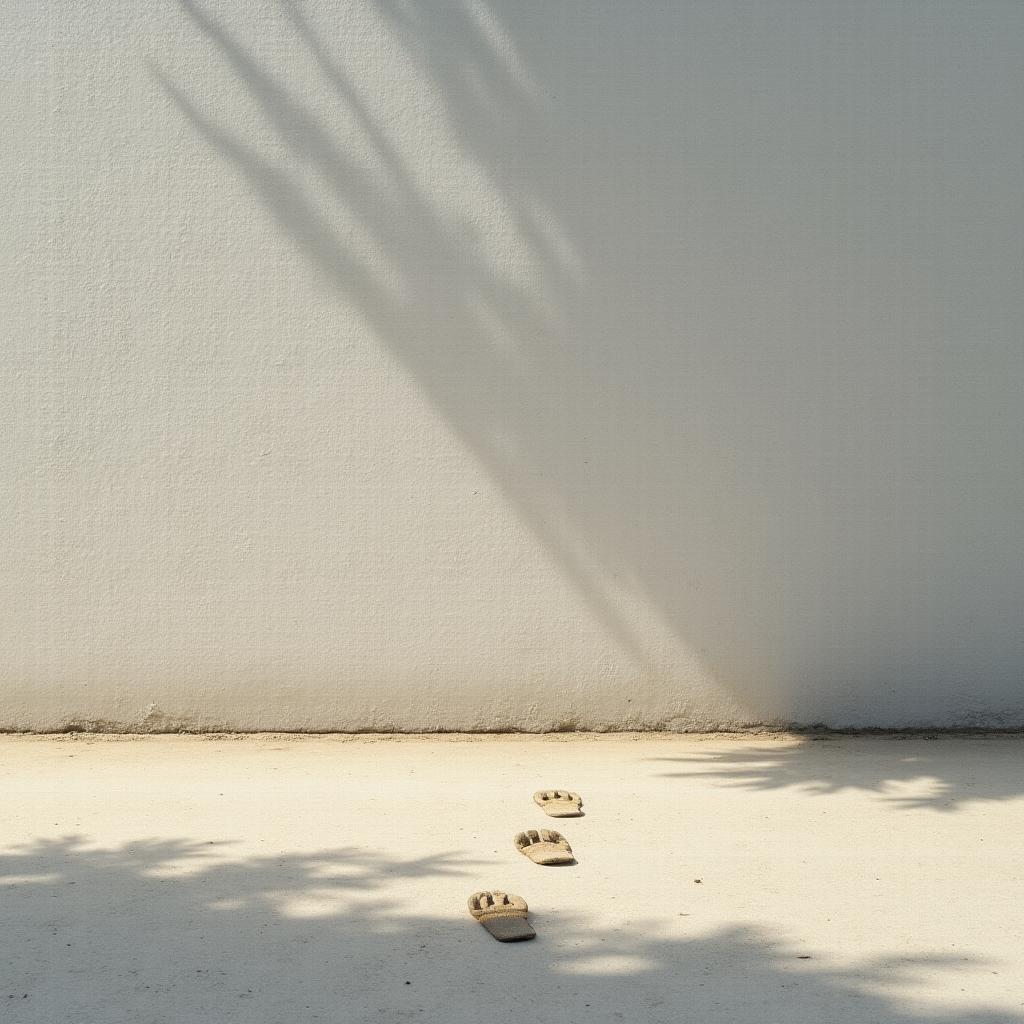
{"type": "Point", "coordinates": [468, 365]}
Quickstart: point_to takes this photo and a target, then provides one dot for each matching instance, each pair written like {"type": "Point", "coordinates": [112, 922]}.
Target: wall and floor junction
{"type": "Point", "coordinates": [464, 365]}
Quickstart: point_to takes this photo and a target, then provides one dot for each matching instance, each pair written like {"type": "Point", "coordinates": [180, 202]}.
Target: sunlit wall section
{"type": "Point", "coordinates": [511, 365]}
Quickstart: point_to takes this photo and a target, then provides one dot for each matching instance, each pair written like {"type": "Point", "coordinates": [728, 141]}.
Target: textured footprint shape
{"type": "Point", "coordinates": [543, 846]}
{"type": "Point", "coordinates": [503, 915]}
{"type": "Point", "coordinates": [559, 803]}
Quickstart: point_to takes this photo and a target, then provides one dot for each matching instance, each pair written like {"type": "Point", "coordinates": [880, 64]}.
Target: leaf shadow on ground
{"type": "Point", "coordinates": [940, 772]}
{"type": "Point", "coordinates": [168, 931]}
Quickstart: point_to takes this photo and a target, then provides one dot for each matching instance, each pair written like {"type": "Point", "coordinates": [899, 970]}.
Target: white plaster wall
{"type": "Point", "coordinates": [412, 365]}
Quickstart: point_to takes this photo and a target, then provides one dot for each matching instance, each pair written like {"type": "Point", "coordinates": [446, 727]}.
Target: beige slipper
{"type": "Point", "coordinates": [559, 803]}
{"type": "Point", "coordinates": [543, 846]}
{"type": "Point", "coordinates": [503, 915]}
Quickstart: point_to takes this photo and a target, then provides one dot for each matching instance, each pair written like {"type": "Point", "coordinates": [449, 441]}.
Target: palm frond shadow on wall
{"type": "Point", "coordinates": [618, 288]}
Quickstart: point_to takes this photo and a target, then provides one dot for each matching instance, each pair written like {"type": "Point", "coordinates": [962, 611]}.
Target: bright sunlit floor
{"type": "Point", "coordinates": [272, 879]}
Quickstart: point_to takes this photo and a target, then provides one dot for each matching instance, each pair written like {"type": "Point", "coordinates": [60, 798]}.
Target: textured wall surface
{"type": "Point", "coordinates": [405, 365]}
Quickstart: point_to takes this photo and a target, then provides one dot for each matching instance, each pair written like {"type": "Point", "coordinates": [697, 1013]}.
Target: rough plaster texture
{"type": "Point", "coordinates": [386, 365]}
{"type": "Point", "coordinates": [263, 879]}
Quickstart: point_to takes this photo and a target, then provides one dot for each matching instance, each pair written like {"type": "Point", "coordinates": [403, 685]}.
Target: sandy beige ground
{"type": "Point", "coordinates": [290, 879]}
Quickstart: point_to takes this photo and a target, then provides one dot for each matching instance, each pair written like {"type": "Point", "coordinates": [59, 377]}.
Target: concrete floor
{"type": "Point", "coordinates": [272, 879]}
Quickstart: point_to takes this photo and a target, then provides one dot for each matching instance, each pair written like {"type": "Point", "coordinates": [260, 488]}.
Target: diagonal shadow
{"type": "Point", "coordinates": [686, 469]}
{"type": "Point", "coordinates": [157, 931]}
{"type": "Point", "coordinates": [497, 334]}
